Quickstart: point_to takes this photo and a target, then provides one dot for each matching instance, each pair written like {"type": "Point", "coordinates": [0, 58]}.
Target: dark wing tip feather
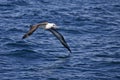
{"type": "Point", "coordinates": [70, 50]}
{"type": "Point", "coordinates": [24, 36]}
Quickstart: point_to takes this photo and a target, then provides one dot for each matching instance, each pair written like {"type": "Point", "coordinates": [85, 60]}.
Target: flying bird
{"type": "Point", "coordinates": [52, 28]}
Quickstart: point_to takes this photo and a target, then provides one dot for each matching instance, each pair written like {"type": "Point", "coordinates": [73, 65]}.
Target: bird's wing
{"type": "Point", "coordinates": [33, 28]}
{"type": "Point", "coordinates": [60, 38]}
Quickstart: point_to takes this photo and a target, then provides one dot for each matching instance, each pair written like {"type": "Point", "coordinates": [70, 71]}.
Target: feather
{"type": "Point", "coordinates": [60, 38]}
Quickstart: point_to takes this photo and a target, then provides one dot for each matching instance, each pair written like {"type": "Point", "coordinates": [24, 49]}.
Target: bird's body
{"type": "Point", "coordinates": [51, 27]}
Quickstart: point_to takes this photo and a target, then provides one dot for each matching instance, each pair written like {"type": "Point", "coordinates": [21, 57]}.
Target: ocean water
{"type": "Point", "coordinates": [90, 27]}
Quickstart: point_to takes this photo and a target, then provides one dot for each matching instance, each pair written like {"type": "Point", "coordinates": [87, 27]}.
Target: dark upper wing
{"type": "Point", "coordinates": [32, 29]}
{"type": "Point", "coordinates": [60, 37]}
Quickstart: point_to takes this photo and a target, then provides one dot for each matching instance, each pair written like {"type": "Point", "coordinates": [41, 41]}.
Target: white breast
{"type": "Point", "coordinates": [50, 25]}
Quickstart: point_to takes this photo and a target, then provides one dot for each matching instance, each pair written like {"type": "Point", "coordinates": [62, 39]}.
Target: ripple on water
{"type": "Point", "coordinates": [18, 44]}
{"type": "Point", "coordinates": [14, 30]}
{"type": "Point", "coordinates": [20, 3]}
{"type": "Point", "coordinates": [23, 53]}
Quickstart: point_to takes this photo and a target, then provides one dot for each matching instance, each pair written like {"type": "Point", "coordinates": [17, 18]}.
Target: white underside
{"type": "Point", "coordinates": [50, 25]}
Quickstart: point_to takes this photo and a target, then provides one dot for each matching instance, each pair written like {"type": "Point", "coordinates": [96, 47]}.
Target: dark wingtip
{"type": "Point", "coordinates": [24, 36]}
{"type": "Point", "coordinates": [70, 51]}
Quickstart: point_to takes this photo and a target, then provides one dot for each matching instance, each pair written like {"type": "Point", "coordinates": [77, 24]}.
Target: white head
{"type": "Point", "coordinates": [50, 25]}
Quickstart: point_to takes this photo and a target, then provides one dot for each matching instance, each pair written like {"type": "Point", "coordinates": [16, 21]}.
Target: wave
{"type": "Point", "coordinates": [23, 53]}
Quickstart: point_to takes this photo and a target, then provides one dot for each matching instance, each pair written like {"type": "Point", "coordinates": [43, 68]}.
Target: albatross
{"type": "Point", "coordinates": [50, 27]}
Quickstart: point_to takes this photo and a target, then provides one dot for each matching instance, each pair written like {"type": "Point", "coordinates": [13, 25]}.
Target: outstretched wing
{"type": "Point", "coordinates": [32, 29]}
{"type": "Point", "coordinates": [60, 38]}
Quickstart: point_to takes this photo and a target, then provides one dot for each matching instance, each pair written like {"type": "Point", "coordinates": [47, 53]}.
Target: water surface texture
{"type": "Point", "coordinates": [91, 28]}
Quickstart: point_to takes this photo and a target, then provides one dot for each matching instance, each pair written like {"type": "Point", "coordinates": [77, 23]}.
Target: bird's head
{"type": "Point", "coordinates": [50, 25]}
{"type": "Point", "coordinates": [53, 25]}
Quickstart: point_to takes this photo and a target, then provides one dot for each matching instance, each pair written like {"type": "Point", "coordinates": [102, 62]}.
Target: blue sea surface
{"type": "Point", "coordinates": [90, 27]}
